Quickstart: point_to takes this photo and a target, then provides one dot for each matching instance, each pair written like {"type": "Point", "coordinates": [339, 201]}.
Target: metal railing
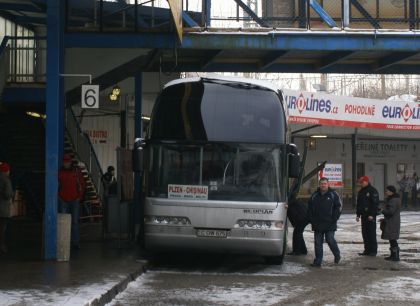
{"type": "Point", "coordinates": [3, 67]}
{"type": "Point", "coordinates": [23, 59]}
{"type": "Point", "coordinates": [84, 149]}
{"type": "Point", "coordinates": [141, 15]}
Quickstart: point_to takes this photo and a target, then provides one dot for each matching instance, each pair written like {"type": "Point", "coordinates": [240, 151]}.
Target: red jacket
{"type": "Point", "coordinates": [71, 184]}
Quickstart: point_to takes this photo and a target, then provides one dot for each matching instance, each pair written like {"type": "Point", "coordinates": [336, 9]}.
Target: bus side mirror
{"type": "Point", "coordinates": [138, 155]}
{"type": "Point", "coordinates": [294, 166]}
{"type": "Point", "coordinates": [294, 161]}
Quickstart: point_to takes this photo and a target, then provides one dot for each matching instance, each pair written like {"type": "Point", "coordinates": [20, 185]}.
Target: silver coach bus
{"type": "Point", "coordinates": [216, 166]}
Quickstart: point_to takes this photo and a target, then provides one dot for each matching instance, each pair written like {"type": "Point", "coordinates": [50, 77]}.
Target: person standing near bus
{"type": "Point", "coordinates": [70, 193]}
{"type": "Point", "coordinates": [297, 212]}
{"type": "Point", "coordinates": [414, 189]}
{"type": "Point", "coordinates": [324, 210]}
{"type": "Point", "coordinates": [392, 222]}
{"type": "Point", "coordinates": [367, 210]}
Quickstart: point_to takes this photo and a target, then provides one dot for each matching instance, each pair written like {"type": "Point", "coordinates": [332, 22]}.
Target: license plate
{"type": "Point", "coordinates": [211, 233]}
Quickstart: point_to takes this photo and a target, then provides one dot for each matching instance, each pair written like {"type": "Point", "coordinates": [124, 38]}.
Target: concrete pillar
{"type": "Point", "coordinates": [63, 236]}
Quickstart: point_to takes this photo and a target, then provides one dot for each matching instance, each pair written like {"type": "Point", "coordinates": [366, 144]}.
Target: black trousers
{"type": "Point", "coordinates": [369, 235]}
{"type": "Point", "coordinates": [393, 243]}
{"type": "Point", "coordinates": [298, 244]}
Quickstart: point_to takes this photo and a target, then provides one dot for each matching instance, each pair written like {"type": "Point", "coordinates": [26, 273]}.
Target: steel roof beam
{"type": "Point", "coordinates": [334, 58]}
{"type": "Point", "coordinates": [365, 14]}
{"type": "Point", "coordinates": [322, 13]}
{"type": "Point", "coordinates": [295, 41]}
{"type": "Point", "coordinates": [393, 59]}
{"type": "Point", "coordinates": [113, 76]}
{"type": "Point", "coordinates": [271, 58]}
{"type": "Point", "coordinates": [210, 58]}
{"type": "Point", "coordinates": [251, 13]}
{"type": "Point", "coordinates": [188, 20]}
{"type": "Point", "coordinates": [20, 7]}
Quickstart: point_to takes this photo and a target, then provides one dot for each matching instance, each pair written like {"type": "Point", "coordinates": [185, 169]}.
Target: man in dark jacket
{"type": "Point", "coordinates": [367, 209]}
{"type": "Point", "coordinates": [298, 216]}
{"type": "Point", "coordinates": [324, 209]}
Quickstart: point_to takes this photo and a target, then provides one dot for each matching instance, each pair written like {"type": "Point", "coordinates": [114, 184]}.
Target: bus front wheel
{"type": "Point", "coordinates": [274, 260]}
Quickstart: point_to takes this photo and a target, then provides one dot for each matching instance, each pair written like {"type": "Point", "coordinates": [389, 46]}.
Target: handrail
{"type": "Point", "coordinates": [23, 61]}
{"type": "Point", "coordinates": [84, 149]}
{"type": "Point", "coordinates": [3, 65]}
{"type": "Point", "coordinates": [286, 14]}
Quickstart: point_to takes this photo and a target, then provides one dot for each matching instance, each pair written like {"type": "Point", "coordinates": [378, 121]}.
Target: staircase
{"type": "Point", "coordinates": [77, 144]}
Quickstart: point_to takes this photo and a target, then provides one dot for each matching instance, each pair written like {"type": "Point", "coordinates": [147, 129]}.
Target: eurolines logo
{"type": "Point", "coordinates": [397, 112]}
{"type": "Point", "coordinates": [310, 104]}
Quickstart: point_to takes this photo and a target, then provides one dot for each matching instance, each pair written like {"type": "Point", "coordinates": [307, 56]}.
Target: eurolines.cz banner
{"type": "Point", "coordinates": [325, 109]}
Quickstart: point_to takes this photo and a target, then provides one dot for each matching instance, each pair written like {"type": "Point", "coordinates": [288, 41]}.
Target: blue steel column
{"type": "Point", "coordinates": [206, 11]}
{"type": "Point", "coordinates": [54, 125]}
{"type": "Point", "coordinates": [138, 83]}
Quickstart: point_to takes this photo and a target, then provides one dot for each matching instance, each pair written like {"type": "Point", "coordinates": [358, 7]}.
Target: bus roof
{"type": "Point", "coordinates": [260, 83]}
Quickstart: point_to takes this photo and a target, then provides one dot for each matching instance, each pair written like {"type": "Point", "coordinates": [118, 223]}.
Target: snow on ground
{"type": "Point", "coordinates": [392, 290]}
{"type": "Point", "coordinates": [266, 293]}
{"type": "Point", "coordinates": [67, 296]}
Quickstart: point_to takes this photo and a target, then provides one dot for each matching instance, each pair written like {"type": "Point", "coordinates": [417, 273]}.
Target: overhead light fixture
{"type": "Point", "coordinates": [116, 90]}
{"type": "Point", "coordinates": [319, 136]}
{"type": "Point", "coordinates": [36, 115]}
{"type": "Point", "coordinates": [145, 118]}
{"type": "Point", "coordinates": [113, 97]}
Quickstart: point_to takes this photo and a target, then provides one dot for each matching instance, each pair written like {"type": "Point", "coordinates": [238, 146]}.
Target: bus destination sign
{"type": "Point", "coordinates": [192, 192]}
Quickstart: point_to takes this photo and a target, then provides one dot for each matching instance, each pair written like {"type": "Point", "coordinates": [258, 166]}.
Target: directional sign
{"type": "Point", "coordinates": [90, 96]}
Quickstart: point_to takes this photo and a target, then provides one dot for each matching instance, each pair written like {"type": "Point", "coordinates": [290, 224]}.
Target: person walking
{"type": "Point", "coordinates": [324, 210]}
{"type": "Point", "coordinates": [414, 189]}
{"type": "Point", "coordinates": [6, 196]}
{"type": "Point", "coordinates": [390, 225]}
{"type": "Point", "coordinates": [404, 184]}
{"type": "Point", "coordinates": [110, 182]}
{"type": "Point", "coordinates": [70, 193]}
{"type": "Point", "coordinates": [297, 213]}
{"type": "Point", "coordinates": [367, 209]}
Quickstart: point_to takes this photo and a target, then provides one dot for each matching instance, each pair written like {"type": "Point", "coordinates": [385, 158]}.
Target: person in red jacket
{"type": "Point", "coordinates": [70, 192]}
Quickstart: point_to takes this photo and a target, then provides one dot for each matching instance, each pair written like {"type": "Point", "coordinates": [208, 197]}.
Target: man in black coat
{"type": "Point", "coordinates": [298, 216]}
{"type": "Point", "coordinates": [324, 210]}
{"type": "Point", "coordinates": [367, 209]}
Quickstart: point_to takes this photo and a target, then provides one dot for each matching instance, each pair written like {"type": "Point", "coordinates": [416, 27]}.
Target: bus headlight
{"type": "Point", "coordinates": [166, 220]}
{"type": "Point", "coordinates": [259, 224]}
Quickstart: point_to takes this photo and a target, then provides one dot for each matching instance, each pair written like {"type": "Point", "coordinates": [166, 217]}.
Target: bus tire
{"type": "Point", "coordinates": [274, 260]}
{"type": "Point", "coordinates": [278, 260]}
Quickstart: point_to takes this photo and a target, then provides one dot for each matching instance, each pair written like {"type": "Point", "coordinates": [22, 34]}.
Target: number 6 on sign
{"type": "Point", "coordinates": [90, 96]}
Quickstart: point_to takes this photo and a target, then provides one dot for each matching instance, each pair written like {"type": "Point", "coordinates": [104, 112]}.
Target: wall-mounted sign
{"type": "Point", "coordinates": [326, 109]}
{"type": "Point", "coordinates": [334, 174]}
{"type": "Point", "coordinates": [90, 96]}
{"type": "Point", "coordinates": [98, 136]}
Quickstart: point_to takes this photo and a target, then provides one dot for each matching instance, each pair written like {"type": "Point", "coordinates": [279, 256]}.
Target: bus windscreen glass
{"type": "Point", "coordinates": [217, 171]}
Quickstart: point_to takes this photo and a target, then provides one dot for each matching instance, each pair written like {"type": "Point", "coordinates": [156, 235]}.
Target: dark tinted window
{"type": "Point", "coordinates": [219, 111]}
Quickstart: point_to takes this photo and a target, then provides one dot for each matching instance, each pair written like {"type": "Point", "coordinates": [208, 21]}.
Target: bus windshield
{"type": "Point", "coordinates": [230, 172]}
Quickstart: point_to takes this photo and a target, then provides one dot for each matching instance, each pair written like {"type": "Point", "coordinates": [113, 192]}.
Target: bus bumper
{"type": "Point", "coordinates": [255, 242]}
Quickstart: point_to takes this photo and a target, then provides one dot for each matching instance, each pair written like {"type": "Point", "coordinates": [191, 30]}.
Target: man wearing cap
{"type": "Point", "coordinates": [367, 209]}
{"type": "Point", "coordinates": [70, 193]}
{"type": "Point", "coordinates": [6, 195]}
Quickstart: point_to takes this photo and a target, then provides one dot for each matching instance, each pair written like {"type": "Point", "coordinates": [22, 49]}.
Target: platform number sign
{"type": "Point", "coordinates": [90, 96]}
